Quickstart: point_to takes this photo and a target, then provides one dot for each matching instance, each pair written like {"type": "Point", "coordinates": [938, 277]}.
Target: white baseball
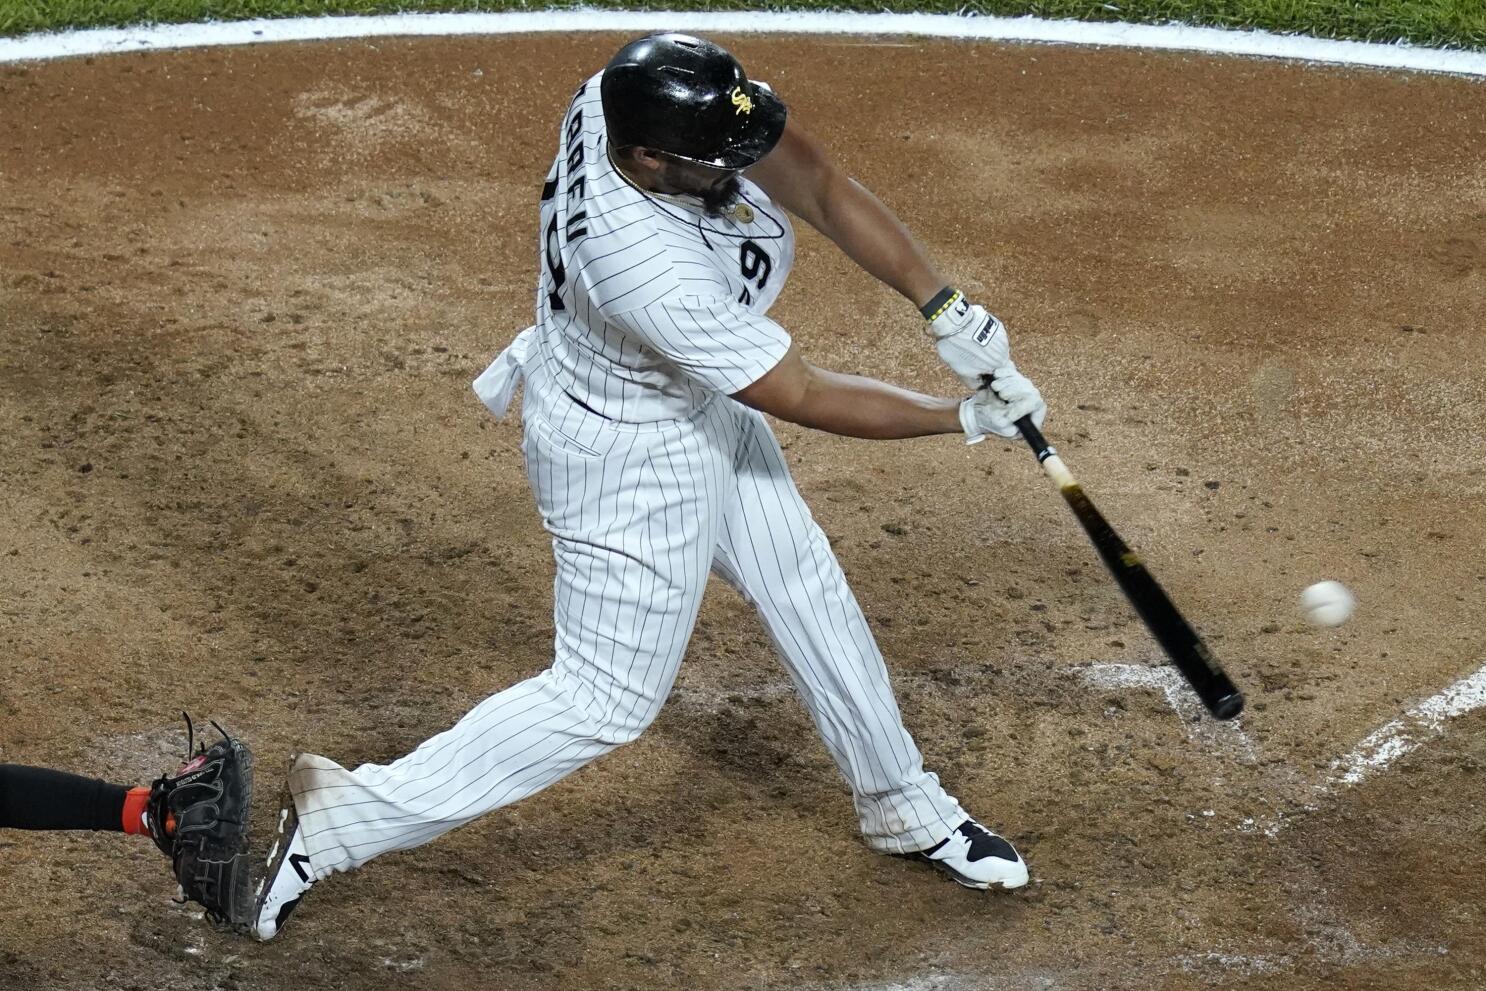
{"type": "Point", "coordinates": [1327, 603]}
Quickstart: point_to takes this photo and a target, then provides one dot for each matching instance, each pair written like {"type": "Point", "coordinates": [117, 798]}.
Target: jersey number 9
{"type": "Point", "coordinates": [755, 265]}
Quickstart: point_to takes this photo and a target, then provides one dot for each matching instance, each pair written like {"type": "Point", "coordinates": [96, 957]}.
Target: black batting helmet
{"type": "Point", "coordinates": [689, 98]}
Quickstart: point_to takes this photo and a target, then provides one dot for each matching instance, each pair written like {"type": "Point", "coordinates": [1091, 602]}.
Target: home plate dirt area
{"type": "Point", "coordinates": [244, 291]}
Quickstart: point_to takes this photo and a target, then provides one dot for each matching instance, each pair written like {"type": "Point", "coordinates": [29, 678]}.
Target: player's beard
{"type": "Point", "coordinates": [719, 199]}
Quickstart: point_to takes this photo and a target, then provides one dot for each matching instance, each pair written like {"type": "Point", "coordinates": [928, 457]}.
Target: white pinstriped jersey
{"type": "Point", "coordinates": [646, 307]}
{"type": "Point", "coordinates": [647, 310]}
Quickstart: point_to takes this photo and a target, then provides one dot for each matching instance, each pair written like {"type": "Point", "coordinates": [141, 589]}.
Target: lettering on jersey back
{"type": "Point", "coordinates": [555, 270]}
{"type": "Point", "coordinates": [574, 228]}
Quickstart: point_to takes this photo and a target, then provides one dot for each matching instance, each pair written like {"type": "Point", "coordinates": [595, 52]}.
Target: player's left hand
{"type": "Point", "coordinates": [996, 408]}
{"type": "Point", "coordinates": [969, 340]}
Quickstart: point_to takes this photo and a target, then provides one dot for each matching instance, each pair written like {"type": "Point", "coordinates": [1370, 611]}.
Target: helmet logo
{"type": "Point", "coordinates": [741, 101]}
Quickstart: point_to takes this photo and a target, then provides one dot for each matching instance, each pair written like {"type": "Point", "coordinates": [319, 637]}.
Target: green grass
{"type": "Point", "coordinates": [1436, 23]}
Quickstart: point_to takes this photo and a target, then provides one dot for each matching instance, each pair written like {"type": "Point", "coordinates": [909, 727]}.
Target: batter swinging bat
{"type": "Point", "coordinates": [1171, 630]}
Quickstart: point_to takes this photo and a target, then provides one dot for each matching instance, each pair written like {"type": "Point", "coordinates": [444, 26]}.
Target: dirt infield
{"type": "Point", "coordinates": [243, 293]}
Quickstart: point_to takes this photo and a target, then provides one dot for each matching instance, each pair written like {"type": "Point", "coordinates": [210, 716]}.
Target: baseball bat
{"type": "Point", "coordinates": [1171, 630]}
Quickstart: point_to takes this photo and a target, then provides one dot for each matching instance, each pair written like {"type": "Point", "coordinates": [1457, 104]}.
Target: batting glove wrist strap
{"type": "Point", "coordinates": [942, 301]}
{"type": "Point", "coordinates": [970, 341]}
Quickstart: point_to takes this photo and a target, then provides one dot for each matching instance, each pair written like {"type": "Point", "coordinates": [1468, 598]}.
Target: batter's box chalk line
{"type": "Point", "coordinates": [1226, 738]}
{"type": "Point", "coordinates": [1378, 750]}
{"type": "Point", "coordinates": [1408, 732]}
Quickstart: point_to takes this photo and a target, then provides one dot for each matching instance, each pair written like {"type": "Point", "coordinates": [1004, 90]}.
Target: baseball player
{"type": "Point", "coordinates": [198, 817]}
{"type": "Point", "coordinates": [665, 237]}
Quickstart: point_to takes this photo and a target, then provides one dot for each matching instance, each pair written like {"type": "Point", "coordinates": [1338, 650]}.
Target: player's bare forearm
{"type": "Point", "coordinates": [848, 405]}
{"type": "Point", "coordinates": [800, 175]}
{"type": "Point", "coordinates": [856, 406]}
{"type": "Point", "coordinates": [872, 236]}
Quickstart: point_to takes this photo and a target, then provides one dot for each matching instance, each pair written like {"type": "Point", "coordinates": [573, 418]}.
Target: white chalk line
{"type": "Point", "coordinates": [1377, 751]}
{"type": "Point", "coordinates": [1331, 943]}
{"type": "Point", "coordinates": [1225, 736]}
{"type": "Point", "coordinates": [1407, 733]}
{"type": "Point", "coordinates": [1217, 41]}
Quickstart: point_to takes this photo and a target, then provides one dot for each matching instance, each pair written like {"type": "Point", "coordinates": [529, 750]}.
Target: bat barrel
{"type": "Point", "coordinates": [1171, 630]}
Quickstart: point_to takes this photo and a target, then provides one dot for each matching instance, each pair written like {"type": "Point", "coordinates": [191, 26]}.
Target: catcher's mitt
{"type": "Point", "coordinates": [199, 818]}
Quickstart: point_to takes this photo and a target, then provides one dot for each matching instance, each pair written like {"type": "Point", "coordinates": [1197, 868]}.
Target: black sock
{"type": "Point", "coordinates": [40, 798]}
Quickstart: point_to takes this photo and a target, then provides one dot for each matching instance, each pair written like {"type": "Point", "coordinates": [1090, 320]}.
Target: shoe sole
{"type": "Point", "coordinates": [283, 839]}
{"type": "Point", "coordinates": [965, 882]}
{"type": "Point", "coordinates": [961, 879]}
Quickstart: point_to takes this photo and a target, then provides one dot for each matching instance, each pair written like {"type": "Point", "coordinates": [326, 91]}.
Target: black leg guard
{"type": "Point", "coordinates": [40, 798]}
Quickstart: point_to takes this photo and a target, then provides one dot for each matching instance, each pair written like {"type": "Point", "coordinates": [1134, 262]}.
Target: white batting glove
{"type": "Point", "coordinates": [996, 408]}
{"type": "Point", "coordinates": [969, 340]}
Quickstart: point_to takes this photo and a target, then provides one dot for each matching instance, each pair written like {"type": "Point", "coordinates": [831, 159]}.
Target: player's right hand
{"type": "Point", "coordinates": [995, 408]}
{"type": "Point", "coordinates": [969, 340]}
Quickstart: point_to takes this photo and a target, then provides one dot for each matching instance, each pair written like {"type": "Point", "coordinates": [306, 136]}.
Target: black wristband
{"type": "Point", "coordinates": [939, 303]}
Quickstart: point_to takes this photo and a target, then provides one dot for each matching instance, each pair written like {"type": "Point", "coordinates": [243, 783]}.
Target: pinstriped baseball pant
{"type": "Point", "coordinates": [639, 514]}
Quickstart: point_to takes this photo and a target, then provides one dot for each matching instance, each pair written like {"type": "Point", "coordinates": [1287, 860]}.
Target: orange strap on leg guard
{"type": "Point", "coordinates": [135, 800]}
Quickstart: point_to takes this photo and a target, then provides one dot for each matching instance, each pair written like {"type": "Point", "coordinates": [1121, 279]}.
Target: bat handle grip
{"type": "Point", "coordinates": [1030, 433]}
{"type": "Point", "coordinates": [1034, 439]}
{"type": "Point", "coordinates": [1047, 455]}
